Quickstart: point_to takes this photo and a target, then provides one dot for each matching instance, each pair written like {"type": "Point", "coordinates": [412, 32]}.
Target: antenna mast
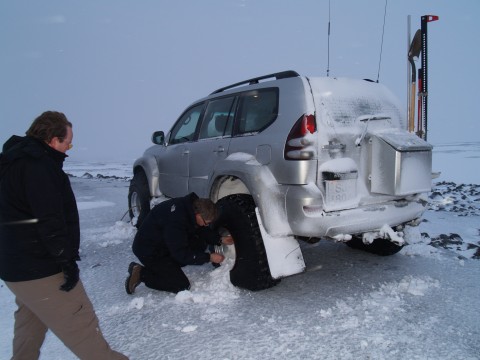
{"type": "Point", "coordinates": [328, 41]}
{"type": "Point", "coordinates": [381, 45]}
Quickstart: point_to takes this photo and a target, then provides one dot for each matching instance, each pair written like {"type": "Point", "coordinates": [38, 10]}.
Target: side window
{"type": "Point", "coordinates": [258, 109]}
{"type": "Point", "coordinates": [218, 119]}
{"type": "Point", "coordinates": [184, 129]}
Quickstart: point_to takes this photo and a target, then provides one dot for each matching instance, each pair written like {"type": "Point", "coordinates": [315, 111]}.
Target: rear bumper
{"type": "Point", "coordinates": [304, 210]}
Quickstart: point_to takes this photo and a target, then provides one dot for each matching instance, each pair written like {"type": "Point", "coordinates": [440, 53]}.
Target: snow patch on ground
{"type": "Point", "coordinates": [189, 328]}
{"type": "Point", "coordinates": [388, 298]}
{"type": "Point", "coordinates": [110, 235]}
{"type": "Point", "coordinates": [118, 233]}
{"type": "Point", "coordinates": [137, 303]}
{"type": "Point", "coordinates": [88, 205]}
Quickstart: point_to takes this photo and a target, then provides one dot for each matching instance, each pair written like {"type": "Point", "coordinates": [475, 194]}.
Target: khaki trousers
{"type": "Point", "coordinates": [69, 315]}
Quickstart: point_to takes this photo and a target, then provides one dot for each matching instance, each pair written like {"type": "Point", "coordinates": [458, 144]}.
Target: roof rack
{"type": "Point", "coordinates": [279, 75]}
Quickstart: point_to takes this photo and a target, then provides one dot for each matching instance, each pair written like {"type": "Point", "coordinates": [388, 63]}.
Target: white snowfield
{"type": "Point", "coordinates": [421, 303]}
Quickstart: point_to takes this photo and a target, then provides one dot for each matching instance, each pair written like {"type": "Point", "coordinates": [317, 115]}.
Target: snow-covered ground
{"type": "Point", "coordinates": [419, 304]}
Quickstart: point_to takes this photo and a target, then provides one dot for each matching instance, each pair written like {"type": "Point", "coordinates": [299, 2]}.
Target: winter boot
{"type": "Point", "coordinates": [134, 277]}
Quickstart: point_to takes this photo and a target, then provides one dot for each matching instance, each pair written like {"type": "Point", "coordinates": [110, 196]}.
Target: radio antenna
{"type": "Point", "coordinates": [328, 41]}
{"type": "Point", "coordinates": [381, 45]}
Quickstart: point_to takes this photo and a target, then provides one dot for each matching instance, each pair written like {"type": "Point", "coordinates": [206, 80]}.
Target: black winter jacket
{"type": "Point", "coordinates": [170, 230]}
{"type": "Point", "coordinates": [34, 186]}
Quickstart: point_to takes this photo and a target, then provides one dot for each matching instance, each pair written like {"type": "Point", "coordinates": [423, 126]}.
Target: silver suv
{"type": "Point", "coordinates": [289, 158]}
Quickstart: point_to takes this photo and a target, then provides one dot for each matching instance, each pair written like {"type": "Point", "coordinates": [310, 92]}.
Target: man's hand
{"type": "Point", "coordinates": [227, 240]}
{"type": "Point", "coordinates": [71, 274]}
{"type": "Point", "coordinates": [216, 258]}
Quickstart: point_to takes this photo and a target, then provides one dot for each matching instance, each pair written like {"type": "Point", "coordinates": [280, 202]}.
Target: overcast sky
{"type": "Point", "coordinates": [122, 69]}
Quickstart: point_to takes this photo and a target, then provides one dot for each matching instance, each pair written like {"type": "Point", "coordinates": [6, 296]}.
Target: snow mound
{"type": "Point", "coordinates": [418, 245]}
{"type": "Point", "coordinates": [213, 289]}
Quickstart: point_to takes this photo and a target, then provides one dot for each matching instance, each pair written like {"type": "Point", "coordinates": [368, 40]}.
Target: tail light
{"type": "Point", "coordinates": [299, 141]}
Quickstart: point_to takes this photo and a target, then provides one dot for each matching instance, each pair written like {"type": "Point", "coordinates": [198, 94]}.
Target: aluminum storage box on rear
{"type": "Point", "coordinates": [403, 164]}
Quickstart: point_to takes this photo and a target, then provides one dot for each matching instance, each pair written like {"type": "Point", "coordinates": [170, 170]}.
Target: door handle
{"type": "Point", "coordinates": [186, 152]}
{"type": "Point", "coordinates": [219, 149]}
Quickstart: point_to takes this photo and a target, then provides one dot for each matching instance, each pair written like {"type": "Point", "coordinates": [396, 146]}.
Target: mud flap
{"type": "Point", "coordinates": [283, 253]}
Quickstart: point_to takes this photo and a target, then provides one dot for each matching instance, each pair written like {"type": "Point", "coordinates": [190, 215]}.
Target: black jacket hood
{"type": "Point", "coordinates": [18, 147]}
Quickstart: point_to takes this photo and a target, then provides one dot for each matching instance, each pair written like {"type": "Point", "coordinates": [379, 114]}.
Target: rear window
{"type": "Point", "coordinates": [257, 110]}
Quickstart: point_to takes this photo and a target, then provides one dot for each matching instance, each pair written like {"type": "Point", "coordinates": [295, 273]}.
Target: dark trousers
{"type": "Point", "coordinates": [163, 273]}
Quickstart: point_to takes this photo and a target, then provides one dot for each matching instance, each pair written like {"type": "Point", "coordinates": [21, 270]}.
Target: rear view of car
{"type": "Point", "coordinates": [368, 169]}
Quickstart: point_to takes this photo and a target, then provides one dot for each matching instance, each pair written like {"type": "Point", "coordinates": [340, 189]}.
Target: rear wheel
{"type": "Point", "coordinates": [251, 270]}
{"type": "Point", "coordinates": [382, 247]}
{"type": "Point", "coordinates": [138, 198]}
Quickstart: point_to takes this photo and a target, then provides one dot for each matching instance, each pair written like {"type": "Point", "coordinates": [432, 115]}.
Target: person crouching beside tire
{"type": "Point", "coordinates": [175, 233]}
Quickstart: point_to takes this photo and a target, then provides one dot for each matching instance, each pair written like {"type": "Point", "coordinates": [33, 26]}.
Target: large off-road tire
{"type": "Point", "coordinates": [382, 247]}
{"type": "Point", "coordinates": [251, 271]}
{"type": "Point", "coordinates": [138, 198]}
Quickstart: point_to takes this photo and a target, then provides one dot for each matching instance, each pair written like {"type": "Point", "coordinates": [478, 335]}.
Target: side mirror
{"type": "Point", "coordinates": [158, 138]}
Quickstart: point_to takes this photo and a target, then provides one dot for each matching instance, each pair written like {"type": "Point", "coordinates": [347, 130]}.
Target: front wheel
{"type": "Point", "coordinates": [251, 270]}
{"type": "Point", "coordinates": [138, 198]}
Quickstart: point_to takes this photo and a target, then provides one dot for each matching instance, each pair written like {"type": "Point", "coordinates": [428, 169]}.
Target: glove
{"type": "Point", "coordinates": [71, 274]}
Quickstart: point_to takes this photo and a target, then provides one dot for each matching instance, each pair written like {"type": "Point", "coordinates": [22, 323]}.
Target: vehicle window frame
{"type": "Point", "coordinates": [240, 109]}
{"type": "Point", "coordinates": [228, 130]}
{"type": "Point", "coordinates": [174, 130]}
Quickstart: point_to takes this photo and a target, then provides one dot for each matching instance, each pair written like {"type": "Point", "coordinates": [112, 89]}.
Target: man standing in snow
{"type": "Point", "coordinates": [39, 243]}
{"type": "Point", "coordinates": [175, 233]}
